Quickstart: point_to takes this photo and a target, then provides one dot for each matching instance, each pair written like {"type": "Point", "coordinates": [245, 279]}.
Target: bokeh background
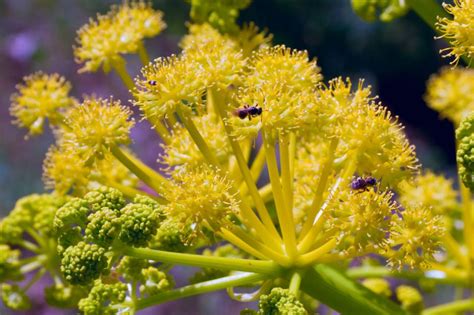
{"type": "Point", "coordinates": [396, 59]}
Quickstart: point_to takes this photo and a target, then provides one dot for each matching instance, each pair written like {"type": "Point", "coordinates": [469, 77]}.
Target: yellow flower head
{"type": "Point", "coordinates": [97, 125]}
{"type": "Point", "coordinates": [121, 31]}
{"type": "Point", "coordinates": [282, 82]}
{"type": "Point", "coordinates": [201, 194]}
{"type": "Point", "coordinates": [250, 38]}
{"type": "Point", "coordinates": [414, 237]}
{"type": "Point", "coordinates": [430, 190]}
{"type": "Point", "coordinates": [64, 171]}
{"type": "Point", "coordinates": [183, 150]}
{"type": "Point", "coordinates": [367, 130]}
{"type": "Point", "coordinates": [217, 57]}
{"type": "Point", "coordinates": [451, 93]}
{"type": "Point", "coordinates": [165, 84]}
{"type": "Point", "coordinates": [361, 220]}
{"type": "Point", "coordinates": [40, 97]}
{"type": "Point", "coordinates": [459, 30]}
{"type": "Point", "coordinates": [139, 18]}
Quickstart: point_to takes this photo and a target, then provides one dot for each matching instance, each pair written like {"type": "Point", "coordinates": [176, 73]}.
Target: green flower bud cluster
{"type": "Point", "coordinates": [465, 152]}
{"type": "Point", "coordinates": [385, 10]}
{"type": "Point", "coordinates": [92, 228]}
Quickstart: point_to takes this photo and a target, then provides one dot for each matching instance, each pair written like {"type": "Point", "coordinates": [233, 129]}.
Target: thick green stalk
{"type": "Point", "coordinates": [197, 137]}
{"type": "Point", "coordinates": [450, 308]}
{"type": "Point", "coordinates": [285, 216]}
{"type": "Point", "coordinates": [143, 54]}
{"type": "Point", "coordinates": [344, 295]}
{"type": "Point", "coordinates": [201, 288]}
{"type": "Point", "coordinates": [154, 181]}
{"type": "Point", "coordinates": [121, 69]}
{"type": "Point", "coordinates": [428, 10]}
{"type": "Point", "coordinates": [236, 264]}
{"type": "Point", "coordinates": [295, 282]}
{"type": "Point", "coordinates": [432, 275]}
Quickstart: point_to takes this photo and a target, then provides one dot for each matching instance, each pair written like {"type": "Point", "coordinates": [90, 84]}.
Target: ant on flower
{"type": "Point", "coordinates": [363, 183]}
{"type": "Point", "coordinates": [248, 111]}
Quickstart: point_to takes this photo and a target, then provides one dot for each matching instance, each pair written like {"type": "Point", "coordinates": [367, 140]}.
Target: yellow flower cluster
{"type": "Point", "coordinates": [96, 126]}
{"type": "Point", "coordinates": [366, 131]}
{"type": "Point", "coordinates": [201, 195]}
{"type": "Point", "coordinates": [211, 104]}
{"type": "Point", "coordinates": [101, 42]}
{"type": "Point", "coordinates": [430, 190]}
{"type": "Point", "coordinates": [41, 97]}
{"type": "Point", "coordinates": [458, 30]}
{"type": "Point", "coordinates": [451, 93]}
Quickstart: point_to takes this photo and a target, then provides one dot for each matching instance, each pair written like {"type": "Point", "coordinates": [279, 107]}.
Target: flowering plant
{"type": "Point", "coordinates": [273, 178]}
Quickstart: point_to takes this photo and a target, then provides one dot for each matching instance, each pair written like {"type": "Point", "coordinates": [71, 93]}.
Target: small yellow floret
{"type": "Point", "coordinates": [121, 31]}
{"type": "Point", "coordinates": [367, 129]}
{"type": "Point", "coordinates": [451, 93]}
{"type": "Point", "coordinates": [282, 82]}
{"type": "Point", "coordinates": [414, 237]}
{"type": "Point", "coordinates": [217, 58]}
{"type": "Point", "coordinates": [361, 220]}
{"type": "Point", "coordinates": [250, 38]}
{"type": "Point", "coordinates": [430, 190]}
{"type": "Point", "coordinates": [165, 84]}
{"type": "Point", "coordinates": [40, 97]}
{"type": "Point", "coordinates": [201, 194]}
{"type": "Point", "coordinates": [459, 30]}
{"type": "Point", "coordinates": [64, 171]}
{"type": "Point", "coordinates": [97, 125]}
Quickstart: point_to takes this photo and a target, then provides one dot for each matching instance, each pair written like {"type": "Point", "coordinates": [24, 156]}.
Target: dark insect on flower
{"type": "Point", "coordinates": [152, 82]}
{"type": "Point", "coordinates": [363, 183]}
{"type": "Point", "coordinates": [248, 111]}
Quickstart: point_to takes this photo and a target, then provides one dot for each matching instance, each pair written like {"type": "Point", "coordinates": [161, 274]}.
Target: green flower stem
{"type": "Point", "coordinates": [31, 266]}
{"type": "Point", "coordinates": [201, 288]}
{"type": "Point", "coordinates": [453, 247]}
{"type": "Point", "coordinates": [249, 180]}
{"type": "Point", "coordinates": [295, 282]}
{"type": "Point", "coordinates": [34, 279]}
{"type": "Point", "coordinates": [311, 257]}
{"type": "Point", "coordinates": [285, 217]}
{"type": "Point", "coordinates": [428, 10]}
{"type": "Point", "coordinates": [255, 169]}
{"type": "Point", "coordinates": [154, 180]}
{"type": "Point", "coordinates": [450, 308]}
{"type": "Point", "coordinates": [261, 249]}
{"type": "Point", "coordinates": [286, 174]}
{"type": "Point", "coordinates": [381, 271]}
{"type": "Point", "coordinates": [120, 67]}
{"type": "Point", "coordinates": [320, 189]}
{"type": "Point", "coordinates": [238, 241]}
{"type": "Point", "coordinates": [29, 246]}
{"type": "Point", "coordinates": [266, 192]}
{"type": "Point", "coordinates": [317, 225]}
{"type": "Point", "coordinates": [345, 295]}
{"type": "Point", "coordinates": [143, 54]}
{"type": "Point", "coordinates": [197, 137]}
{"type": "Point", "coordinates": [236, 264]}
